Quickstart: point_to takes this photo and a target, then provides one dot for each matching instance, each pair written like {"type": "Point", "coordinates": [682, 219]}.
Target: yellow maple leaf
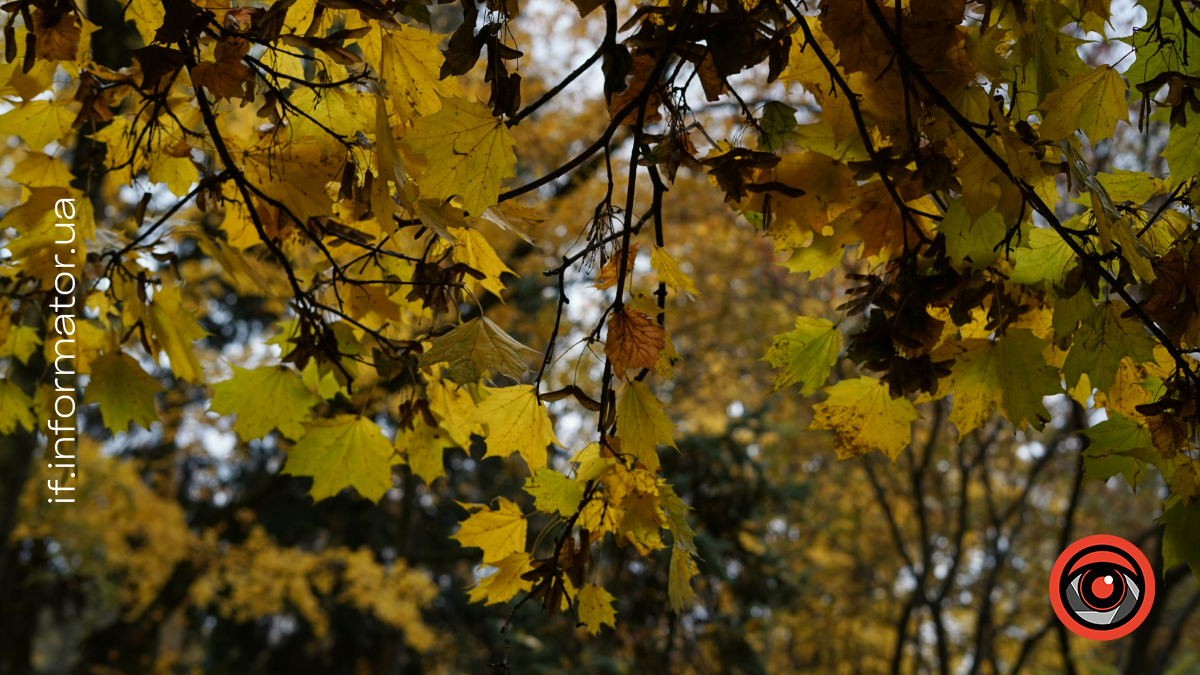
{"type": "Point", "coordinates": [336, 110]}
{"type": "Point", "coordinates": [37, 122]}
{"type": "Point", "coordinates": [452, 405]}
{"type": "Point", "coordinates": [272, 397]}
{"type": "Point", "coordinates": [470, 349]}
{"type": "Point", "coordinates": [411, 67]}
{"type": "Point", "coordinates": [679, 580]}
{"type": "Point", "coordinates": [469, 153]}
{"type": "Point", "coordinates": [472, 249]}
{"type": "Point", "coordinates": [124, 392]}
{"type": "Point", "coordinates": [294, 174]}
{"type": "Point", "coordinates": [670, 274]}
{"type": "Point", "coordinates": [178, 173]}
{"type": "Point", "coordinates": [676, 513]}
{"type": "Point", "coordinates": [22, 341]}
{"type": "Point", "coordinates": [16, 408]}
{"type": "Point", "coordinates": [174, 331]}
{"type": "Point", "coordinates": [424, 447]}
{"type": "Point", "coordinates": [516, 422]}
{"type": "Point", "coordinates": [553, 492]}
{"type": "Point", "coordinates": [596, 608]}
{"type": "Point", "coordinates": [1092, 102]}
{"type": "Point", "coordinates": [505, 582]}
{"type": "Point", "coordinates": [499, 533]}
{"type": "Point", "coordinates": [642, 521]}
{"type": "Point", "coordinates": [865, 417]}
{"type": "Point", "coordinates": [346, 451]}
{"type": "Point", "coordinates": [642, 425]}
{"type": "Point", "coordinates": [146, 16]}
{"type": "Point", "coordinates": [592, 463]}
{"type": "Point", "coordinates": [39, 170]}
{"type": "Point", "coordinates": [600, 516]}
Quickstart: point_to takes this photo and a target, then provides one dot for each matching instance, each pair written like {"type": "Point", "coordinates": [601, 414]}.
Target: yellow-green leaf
{"type": "Point", "coordinates": [553, 492]}
{"type": "Point", "coordinates": [1009, 373]}
{"type": "Point", "coordinates": [1183, 152]}
{"type": "Point", "coordinates": [346, 451]}
{"type": "Point", "coordinates": [470, 349]}
{"type": "Point", "coordinates": [175, 330]}
{"type": "Point", "coordinates": [1092, 102]}
{"type": "Point", "coordinates": [865, 417]}
{"type": "Point", "coordinates": [974, 238]}
{"type": "Point", "coordinates": [469, 153]}
{"type": "Point", "coordinates": [679, 581]}
{"type": "Point", "coordinates": [124, 392]}
{"type": "Point", "coordinates": [805, 354]}
{"type": "Point", "coordinates": [1047, 258]}
{"type": "Point", "coordinates": [272, 397]}
{"type": "Point", "coordinates": [411, 66]}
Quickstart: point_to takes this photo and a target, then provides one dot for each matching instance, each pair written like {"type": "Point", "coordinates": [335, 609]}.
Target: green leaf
{"type": "Point", "coordinates": [1102, 341]}
{"type": "Point", "coordinates": [1109, 452]}
{"type": "Point", "coordinates": [1180, 544]}
{"type": "Point", "coordinates": [777, 122]}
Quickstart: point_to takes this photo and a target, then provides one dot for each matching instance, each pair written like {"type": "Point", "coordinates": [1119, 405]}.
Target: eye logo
{"type": "Point", "coordinates": [1102, 587]}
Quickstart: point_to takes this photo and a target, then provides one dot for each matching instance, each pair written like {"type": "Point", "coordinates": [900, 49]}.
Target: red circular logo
{"type": "Point", "coordinates": [1102, 587]}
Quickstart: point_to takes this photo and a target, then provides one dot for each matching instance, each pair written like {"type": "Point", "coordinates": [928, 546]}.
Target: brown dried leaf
{"type": "Point", "coordinates": [224, 80]}
{"type": "Point", "coordinates": [634, 340]}
{"type": "Point", "coordinates": [611, 269]}
{"type": "Point", "coordinates": [58, 42]}
{"type": "Point", "coordinates": [643, 65]}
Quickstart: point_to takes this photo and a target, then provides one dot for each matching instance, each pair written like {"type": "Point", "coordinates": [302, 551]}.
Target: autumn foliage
{"type": "Point", "coordinates": [370, 257]}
